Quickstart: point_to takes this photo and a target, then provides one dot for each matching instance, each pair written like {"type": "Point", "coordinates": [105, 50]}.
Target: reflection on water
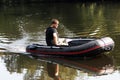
{"type": "Point", "coordinates": [99, 65]}
{"type": "Point", "coordinates": [21, 25]}
{"type": "Point", "coordinates": [56, 68]}
{"type": "Point", "coordinates": [53, 71]}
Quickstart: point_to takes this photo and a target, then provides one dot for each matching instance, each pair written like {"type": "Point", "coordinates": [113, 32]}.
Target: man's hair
{"type": "Point", "coordinates": [54, 21]}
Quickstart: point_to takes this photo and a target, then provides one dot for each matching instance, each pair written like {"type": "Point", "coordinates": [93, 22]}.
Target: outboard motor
{"type": "Point", "coordinates": [107, 43]}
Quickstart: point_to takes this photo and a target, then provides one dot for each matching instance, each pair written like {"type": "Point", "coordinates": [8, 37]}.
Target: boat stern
{"type": "Point", "coordinates": [106, 43]}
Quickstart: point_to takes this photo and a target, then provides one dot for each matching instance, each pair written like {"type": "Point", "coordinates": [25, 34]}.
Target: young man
{"type": "Point", "coordinates": [52, 34]}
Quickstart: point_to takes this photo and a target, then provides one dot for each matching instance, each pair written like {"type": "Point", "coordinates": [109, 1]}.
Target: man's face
{"type": "Point", "coordinates": [56, 24]}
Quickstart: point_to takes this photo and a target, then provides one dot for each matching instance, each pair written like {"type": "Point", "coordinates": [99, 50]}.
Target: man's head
{"type": "Point", "coordinates": [54, 23]}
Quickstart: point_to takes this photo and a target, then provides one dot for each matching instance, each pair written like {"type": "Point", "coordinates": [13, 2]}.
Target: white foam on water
{"type": "Point", "coordinates": [17, 46]}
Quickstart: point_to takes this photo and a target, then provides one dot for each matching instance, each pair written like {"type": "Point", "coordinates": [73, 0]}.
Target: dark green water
{"type": "Point", "coordinates": [21, 25]}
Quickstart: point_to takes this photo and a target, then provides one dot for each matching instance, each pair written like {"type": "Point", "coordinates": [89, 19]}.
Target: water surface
{"type": "Point", "coordinates": [21, 25]}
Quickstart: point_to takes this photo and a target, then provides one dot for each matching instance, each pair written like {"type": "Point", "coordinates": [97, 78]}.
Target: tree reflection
{"type": "Point", "coordinates": [78, 18]}
{"type": "Point", "coordinates": [18, 63]}
{"type": "Point", "coordinates": [36, 69]}
{"type": "Point", "coordinates": [45, 68]}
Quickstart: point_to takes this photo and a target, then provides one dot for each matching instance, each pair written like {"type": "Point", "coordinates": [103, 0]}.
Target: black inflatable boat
{"type": "Point", "coordinates": [76, 47]}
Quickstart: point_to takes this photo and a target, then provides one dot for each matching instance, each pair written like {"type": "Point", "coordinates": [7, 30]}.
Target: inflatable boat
{"type": "Point", "coordinates": [82, 47]}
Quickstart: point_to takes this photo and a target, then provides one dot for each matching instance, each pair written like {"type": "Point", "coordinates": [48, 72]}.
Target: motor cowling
{"type": "Point", "coordinates": [106, 43]}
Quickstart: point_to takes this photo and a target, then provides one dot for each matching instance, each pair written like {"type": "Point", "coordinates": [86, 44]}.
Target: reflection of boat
{"type": "Point", "coordinates": [99, 65]}
{"type": "Point", "coordinates": [80, 47]}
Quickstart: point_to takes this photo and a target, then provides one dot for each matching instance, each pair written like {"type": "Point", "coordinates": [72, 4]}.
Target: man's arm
{"type": "Point", "coordinates": [55, 38]}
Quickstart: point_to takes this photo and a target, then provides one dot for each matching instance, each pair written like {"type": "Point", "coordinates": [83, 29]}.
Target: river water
{"type": "Point", "coordinates": [21, 25]}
